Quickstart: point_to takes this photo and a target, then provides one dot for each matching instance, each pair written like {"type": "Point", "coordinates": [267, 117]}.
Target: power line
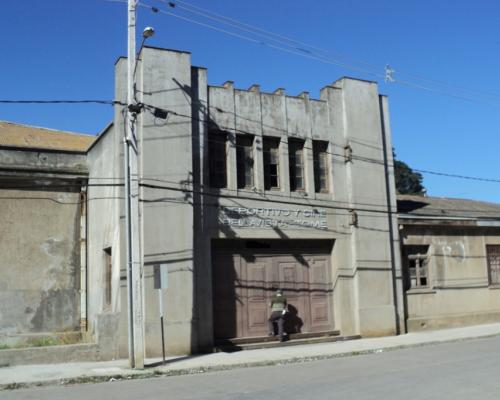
{"type": "Point", "coordinates": [266, 43]}
{"type": "Point", "coordinates": [57, 201]}
{"type": "Point", "coordinates": [471, 178]}
{"type": "Point", "coordinates": [318, 203]}
{"type": "Point", "coordinates": [354, 157]}
{"type": "Point", "coordinates": [106, 102]}
{"type": "Point", "coordinates": [279, 37]}
{"type": "Point", "coordinates": [291, 46]}
{"type": "Point", "coordinates": [344, 156]}
{"type": "Point", "coordinates": [254, 30]}
{"type": "Point", "coordinates": [185, 187]}
{"type": "Point", "coordinates": [223, 128]}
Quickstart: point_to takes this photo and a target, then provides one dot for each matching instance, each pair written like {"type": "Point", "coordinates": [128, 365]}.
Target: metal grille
{"type": "Point", "coordinates": [493, 264]}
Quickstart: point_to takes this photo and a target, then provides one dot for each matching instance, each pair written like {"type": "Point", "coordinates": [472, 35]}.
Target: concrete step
{"type": "Point", "coordinates": [260, 339]}
{"type": "Point", "coordinates": [49, 354]}
{"type": "Point", "coordinates": [232, 345]}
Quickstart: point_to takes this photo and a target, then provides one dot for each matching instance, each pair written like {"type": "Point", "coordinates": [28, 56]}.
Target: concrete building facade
{"type": "Point", "coordinates": [243, 192]}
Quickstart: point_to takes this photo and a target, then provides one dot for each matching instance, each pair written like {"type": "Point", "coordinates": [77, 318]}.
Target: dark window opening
{"type": "Point", "coordinates": [320, 156]}
{"type": "Point", "coordinates": [244, 161]}
{"type": "Point", "coordinates": [254, 244]}
{"type": "Point", "coordinates": [108, 275]}
{"type": "Point", "coordinates": [271, 163]}
{"type": "Point", "coordinates": [296, 164]}
{"type": "Point", "coordinates": [217, 143]}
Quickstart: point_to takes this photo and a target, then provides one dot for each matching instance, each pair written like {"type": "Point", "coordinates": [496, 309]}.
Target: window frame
{"type": "Point", "coordinates": [421, 267]}
{"type": "Point", "coordinates": [271, 151]}
{"type": "Point", "coordinates": [296, 164]}
{"type": "Point", "coordinates": [417, 258]}
{"type": "Point", "coordinates": [489, 254]}
{"type": "Point", "coordinates": [217, 159]}
{"type": "Point", "coordinates": [320, 156]}
{"type": "Point", "coordinates": [245, 161]}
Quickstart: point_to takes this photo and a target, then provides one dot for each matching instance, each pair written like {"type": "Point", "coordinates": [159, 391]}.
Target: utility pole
{"type": "Point", "coordinates": [136, 346]}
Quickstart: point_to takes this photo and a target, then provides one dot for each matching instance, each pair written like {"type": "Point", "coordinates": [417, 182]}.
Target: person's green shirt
{"type": "Point", "coordinates": [278, 303]}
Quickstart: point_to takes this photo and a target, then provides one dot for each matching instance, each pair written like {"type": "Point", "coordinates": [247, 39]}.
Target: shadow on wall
{"type": "Point", "coordinates": [293, 323]}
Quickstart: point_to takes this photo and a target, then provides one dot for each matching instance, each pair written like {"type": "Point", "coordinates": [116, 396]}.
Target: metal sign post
{"type": "Point", "coordinates": [160, 299]}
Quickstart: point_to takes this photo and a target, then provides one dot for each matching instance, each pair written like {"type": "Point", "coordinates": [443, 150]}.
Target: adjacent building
{"type": "Point", "coordinates": [43, 182]}
{"type": "Point", "coordinates": [451, 259]}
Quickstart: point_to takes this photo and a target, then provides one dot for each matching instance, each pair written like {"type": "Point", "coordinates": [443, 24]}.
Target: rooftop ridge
{"type": "Point", "coordinates": [15, 135]}
{"type": "Point", "coordinates": [255, 88]}
{"type": "Point", "coordinates": [46, 129]}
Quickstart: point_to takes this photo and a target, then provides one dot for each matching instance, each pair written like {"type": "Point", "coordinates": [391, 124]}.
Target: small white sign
{"type": "Point", "coordinates": [161, 276]}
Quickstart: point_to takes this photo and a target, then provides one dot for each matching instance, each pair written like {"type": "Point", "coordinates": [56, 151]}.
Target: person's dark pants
{"type": "Point", "coordinates": [278, 317]}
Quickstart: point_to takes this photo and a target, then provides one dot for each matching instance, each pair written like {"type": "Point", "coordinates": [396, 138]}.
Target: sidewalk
{"type": "Point", "coordinates": [71, 373]}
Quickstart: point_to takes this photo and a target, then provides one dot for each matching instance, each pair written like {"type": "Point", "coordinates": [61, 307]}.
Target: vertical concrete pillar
{"type": "Point", "coordinates": [167, 173]}
{"type": "Point", "coordinates": [366, 178]}
{"type": "Point", "coordinates": [309, 167]}
{"type": "Point", "coordinates": [397, 274]}
{"type": "Point", "coordinates": [203, 321]}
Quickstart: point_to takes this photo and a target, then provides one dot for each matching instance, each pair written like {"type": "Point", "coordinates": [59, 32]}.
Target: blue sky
{"type": "Point", "coordinates": [56, 49]}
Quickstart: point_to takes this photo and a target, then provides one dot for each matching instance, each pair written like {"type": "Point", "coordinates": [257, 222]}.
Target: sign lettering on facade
{"type": "Point", "coordinates": [244, 217]}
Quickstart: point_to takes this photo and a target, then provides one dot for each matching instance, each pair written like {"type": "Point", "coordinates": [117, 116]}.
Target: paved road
{"type": "Point", "coordinates": [459, 371]}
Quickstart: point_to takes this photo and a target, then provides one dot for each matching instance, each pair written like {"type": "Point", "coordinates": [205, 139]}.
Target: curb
{"type": "Point", "coordinates": [157, 372]}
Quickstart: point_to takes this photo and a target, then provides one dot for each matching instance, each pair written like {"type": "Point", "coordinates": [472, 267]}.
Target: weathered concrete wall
{"type": "Point", "coordinates": [43, 163]}
{"type": "Point", "coordinates": [103, 227]}
{"type": "Point", "coordinates": [164, 80]}
{"type": "Point", "coordinates": [366, 191]}
{"type": "Point", "coordinates": [349, 113]}
{"type": "Point", "coordinates": [119, 136]}
{"type": "Point", "coordinates": [40, 263]}
{"type": "Point", "coordinates": [459, 293]}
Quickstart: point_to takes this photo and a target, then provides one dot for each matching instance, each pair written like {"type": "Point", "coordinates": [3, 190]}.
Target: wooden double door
{"type": "Point", "coordinates": [244, 282]}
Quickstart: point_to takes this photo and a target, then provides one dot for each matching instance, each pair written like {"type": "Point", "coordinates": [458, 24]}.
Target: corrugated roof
{"type": "Point", "coordinates": [17, 135]}
{"type": "Point", "coordinates": [445, 207]}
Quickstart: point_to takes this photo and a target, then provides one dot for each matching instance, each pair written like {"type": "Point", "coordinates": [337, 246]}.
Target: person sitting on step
{"type": "Point", "coordinates": [278, 306]}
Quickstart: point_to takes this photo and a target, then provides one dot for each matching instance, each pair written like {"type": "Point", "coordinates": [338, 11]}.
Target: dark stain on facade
{"type": "Point", "coordinates": [56, 311]}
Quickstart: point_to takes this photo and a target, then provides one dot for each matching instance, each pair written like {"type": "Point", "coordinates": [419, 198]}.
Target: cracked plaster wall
{"type": "Point", "coordinates": [40, 262]}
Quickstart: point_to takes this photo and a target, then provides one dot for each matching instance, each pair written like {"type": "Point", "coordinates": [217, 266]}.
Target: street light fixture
{"type": "Point", "coordinates": [148, 32]}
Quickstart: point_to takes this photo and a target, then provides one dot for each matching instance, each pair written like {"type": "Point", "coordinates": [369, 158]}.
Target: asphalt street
{"type": "Point", "coordinates": [459, 371]}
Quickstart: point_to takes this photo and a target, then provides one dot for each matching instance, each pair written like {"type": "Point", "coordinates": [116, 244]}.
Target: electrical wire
{"type": "Point", "coordinates": [57, 201]}
{"type": "Point", "coordinates": [471, 178]}
{"type": "Point", "coordinates": [106, 102]}
{"type": "Point", "coordinates": [150, 108]}
{"type": "Point", "coordinates": [291, 44]}
{"type": "Point", "coordinates": [284, 39]}
{"type": "Point", "coordinates": [185, 187]}
{"type": "Point", "coordinates": [187, 190]}
{"type": "Point", "coordinates": [354, 157]}
{"type": "Point", "coordinates": [266, 43]}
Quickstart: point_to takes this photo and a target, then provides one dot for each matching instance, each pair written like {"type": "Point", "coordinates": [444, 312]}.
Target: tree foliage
{"type": "Point", "coordinates": [407, 180]}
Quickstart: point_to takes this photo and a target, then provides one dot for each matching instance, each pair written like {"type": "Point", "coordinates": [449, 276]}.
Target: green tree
{"type": "Point", "coordinates": [407, 180]}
